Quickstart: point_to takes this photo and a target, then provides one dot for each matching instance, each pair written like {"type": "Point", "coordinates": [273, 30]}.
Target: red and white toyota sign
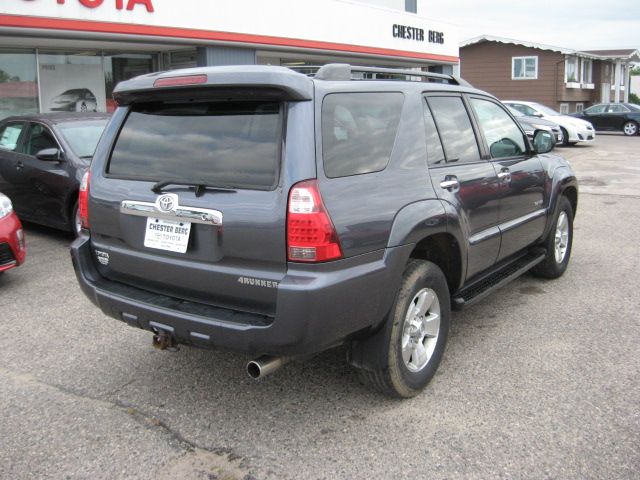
{"type": "Point", "coordinates": [338, 25]}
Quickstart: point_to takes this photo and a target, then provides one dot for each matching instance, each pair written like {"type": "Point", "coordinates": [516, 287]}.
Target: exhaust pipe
{"type": "Point", "coordinates": [265, 365]}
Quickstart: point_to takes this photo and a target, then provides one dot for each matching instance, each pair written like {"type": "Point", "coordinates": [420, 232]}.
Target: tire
{"type": "Point", "coordinates": [630, 128]}
{"type": "Point", "coordinates": [565, 137]}
{"type": "Point", "coordinates": [407, 371]}
{"type": "Point", "coordinates": [76, 227]}
{"type": "Point", "coordinates": [558, 243]}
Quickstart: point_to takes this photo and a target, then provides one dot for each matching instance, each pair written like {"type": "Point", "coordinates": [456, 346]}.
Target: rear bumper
{"type": "Point", "coordinates": [318, 306]}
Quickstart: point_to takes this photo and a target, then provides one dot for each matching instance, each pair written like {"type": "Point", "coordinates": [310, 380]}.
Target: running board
{"type": "Point", "coordinates": [486, 285]}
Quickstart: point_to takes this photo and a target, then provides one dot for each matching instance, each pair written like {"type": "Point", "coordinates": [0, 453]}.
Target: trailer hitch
{"type": "Point", "coordinates": [165, 341]}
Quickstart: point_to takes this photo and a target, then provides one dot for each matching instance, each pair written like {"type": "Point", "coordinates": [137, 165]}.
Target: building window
{"type": "Point", "coordinates": [564, 108]}
{"type": "Point", "coordinates": [411, 6]}
{"type": "Point", "coordinates": [71, 82]}
{"type": "Point", "coordinates": [18, 83]}
{"type": "Point", "coordinates": [524, 68]}
{"type": "Point", "coordinates": [571, 70]}
{"type": "Point", "coordinates": [123, 66]}
{"type": "Point", "coordinates": [587, 71]}
{"type": "Point", "coordinates": [579, 107]}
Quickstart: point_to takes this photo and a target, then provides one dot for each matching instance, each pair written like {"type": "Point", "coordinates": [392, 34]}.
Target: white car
{"type": "Point", "coordinates": [574, 130]}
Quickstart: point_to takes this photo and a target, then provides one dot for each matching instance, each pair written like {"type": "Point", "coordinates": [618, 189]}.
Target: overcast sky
{"type": "Point", "coordinates": [580, 25]}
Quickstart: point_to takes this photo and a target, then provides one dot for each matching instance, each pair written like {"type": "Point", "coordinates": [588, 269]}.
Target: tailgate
{"type": "Point", "coordinates": [214, 229]}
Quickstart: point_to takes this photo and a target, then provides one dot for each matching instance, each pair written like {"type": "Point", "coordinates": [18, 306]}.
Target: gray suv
{"type": "Point", "coordinates": [260, 210]}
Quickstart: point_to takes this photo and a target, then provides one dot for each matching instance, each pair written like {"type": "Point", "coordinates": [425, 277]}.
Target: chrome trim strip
{"type": "Point", "coordinates": [511, 224]}
{"type": "Point", "coordinates": [504, 227]}
{"type": "Point", "coordinates": [484, 235]}
{"type": "Point", "coordinates": [204, 216]}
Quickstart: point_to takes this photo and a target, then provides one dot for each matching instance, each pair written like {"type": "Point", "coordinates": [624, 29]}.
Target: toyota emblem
{"type": "Point", "coordinates": [167, 202]}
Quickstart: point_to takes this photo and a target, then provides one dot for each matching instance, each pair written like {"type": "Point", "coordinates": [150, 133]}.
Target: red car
{"type": "Point", "coordinates": [12, 247]}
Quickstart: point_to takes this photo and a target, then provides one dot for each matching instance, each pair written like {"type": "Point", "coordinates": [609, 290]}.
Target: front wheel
{"type": "Point", "coordinates": [565, 137]}
{"type": "Point", "coordinates": [558, 243]}
{"type": "Point", "coordinates": [630, 128]}
{"type": "Point", "coordinates": [76, 223]}
{"type": "Point", "coordinates": [419, 330]}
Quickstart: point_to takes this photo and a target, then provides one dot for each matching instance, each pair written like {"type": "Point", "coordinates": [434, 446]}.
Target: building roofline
{"type": "Point", "coordinates": [634, 55]}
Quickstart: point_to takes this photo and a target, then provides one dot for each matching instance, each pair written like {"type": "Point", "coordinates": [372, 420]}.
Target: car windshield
{"type": "Point", "coordinates": [83, 137]}
{"type": "Point", "coordinates": [634, 107]}
{"type": "Point", "coordinates": [516, 113]}
{"type": "Point", "coordinates": [545, 110]}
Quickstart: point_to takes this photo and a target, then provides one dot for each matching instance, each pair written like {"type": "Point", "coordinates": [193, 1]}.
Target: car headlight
{"type": "Point", "coordinates": [5, 206]}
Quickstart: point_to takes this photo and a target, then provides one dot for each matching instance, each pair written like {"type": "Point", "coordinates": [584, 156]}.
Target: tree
{"type": "Point", "coordinates": [5, 77]}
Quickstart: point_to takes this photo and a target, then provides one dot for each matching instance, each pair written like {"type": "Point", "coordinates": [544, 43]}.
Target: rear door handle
{"type": "Point", "coordinates": [19, 166]}
{"type": "Point", "coordinates": [450, 183]}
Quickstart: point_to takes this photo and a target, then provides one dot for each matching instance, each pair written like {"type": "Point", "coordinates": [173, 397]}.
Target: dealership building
{"type": "Point", "coordinates": [69, 54]}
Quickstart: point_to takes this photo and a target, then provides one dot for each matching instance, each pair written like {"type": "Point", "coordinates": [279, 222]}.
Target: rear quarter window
{"type": "Point", "coordinates": [227, 144]}
{"type": "Point", "coordinates": [358, 131]}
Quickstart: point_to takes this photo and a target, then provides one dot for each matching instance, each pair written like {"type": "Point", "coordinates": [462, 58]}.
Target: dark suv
{"type": "Point", "coordinates": [260, 210]}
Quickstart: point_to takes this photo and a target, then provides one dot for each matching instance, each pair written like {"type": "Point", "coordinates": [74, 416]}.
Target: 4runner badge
{"type": "Point", "coordinates": [102, 257]}
{"type": "Point", "coordinates": [256, 282]}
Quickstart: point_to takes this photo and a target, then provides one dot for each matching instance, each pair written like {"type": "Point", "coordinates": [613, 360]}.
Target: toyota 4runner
{"type": "Point", "coordinates": [260, 210]}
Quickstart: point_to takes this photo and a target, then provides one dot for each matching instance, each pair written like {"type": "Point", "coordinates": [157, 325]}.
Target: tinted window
{"type": "Point", "coordinates": [83, 137]}
{"type": "Point", "coordinates": [40, 138]}
{"type": "Point", "coordinates": [616, 109]}
{"type": "Point", "coordinates": [525, 109]}
{"type": "Point", "coordinates": [455, 129]}
{"type": "Point", "coordinates": [435, 153]}
{"type": "Point", "coordinates": [358, 131]}
{"type": "Point", "coordinates": [234, 144]}
{"type": "Point", "coordinates": [9, 136]}
{"type": "Point", "coordinates": [503, 136]}
{"type": "Point", "coordinates": [596, 109]}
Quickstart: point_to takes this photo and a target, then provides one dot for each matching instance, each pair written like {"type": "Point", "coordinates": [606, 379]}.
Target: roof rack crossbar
{"type": "Point", "coordinates": [344, 72]}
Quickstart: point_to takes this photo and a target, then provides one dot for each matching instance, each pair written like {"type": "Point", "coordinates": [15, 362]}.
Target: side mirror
{"type": "Point", "coordinates": [543, 141]}
{"type": "Point", "coordinates": [49, 155]}
{"type": "Point", "coordinates": [537, 114]}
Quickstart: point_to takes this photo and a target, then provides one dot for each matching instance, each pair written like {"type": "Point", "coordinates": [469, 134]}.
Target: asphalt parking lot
{"type": "Point", "coordinates": [540, 380]}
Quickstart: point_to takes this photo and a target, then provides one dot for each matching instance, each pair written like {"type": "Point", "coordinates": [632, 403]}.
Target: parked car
{"type": "Point", "coordinates": [574, 130]}
{"type": "Point", "coordinates": [75, 100]}
{"type": "Point", "coordinates": [617, 117]}
{"type": "Point", "coordinates": [42, 160]}
{"type": "Point", "coordinates": [12, 246]}
{"type": "Point", "coordinates": [531, 124]}
{"type": "Point", "coordinates": [256, 209]}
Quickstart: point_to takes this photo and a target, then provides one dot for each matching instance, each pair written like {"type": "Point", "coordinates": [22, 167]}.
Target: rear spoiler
{"type": "Point", "coordinates": [247, 81]}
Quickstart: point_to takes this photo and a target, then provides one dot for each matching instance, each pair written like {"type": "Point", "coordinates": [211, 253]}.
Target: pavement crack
{"type": "Point", "coordinates": [599, 194]}
{"type": "Point", "coordinates": [223, 460]}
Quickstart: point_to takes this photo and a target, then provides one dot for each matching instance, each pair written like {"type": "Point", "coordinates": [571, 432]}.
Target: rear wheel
{"type": "Point", "coordinates": [630, 128]}
{"type": "Point", "coordinates": [420, 325]}
{"type": "Point", "coordinates": [558, 243]}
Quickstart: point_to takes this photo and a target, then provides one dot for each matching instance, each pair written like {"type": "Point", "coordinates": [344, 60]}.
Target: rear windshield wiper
{"type": "Point", "coordinates": [199, 187]}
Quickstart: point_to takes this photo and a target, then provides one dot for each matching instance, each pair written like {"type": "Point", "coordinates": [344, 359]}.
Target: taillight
{"type": "Point", "coordinates": [311, 236]}
{"type": "Point", "coordinates": [83, 200]}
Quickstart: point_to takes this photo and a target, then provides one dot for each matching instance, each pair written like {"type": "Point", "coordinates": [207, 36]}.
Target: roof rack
{"type": "Point", "coordinates": [345, 72]}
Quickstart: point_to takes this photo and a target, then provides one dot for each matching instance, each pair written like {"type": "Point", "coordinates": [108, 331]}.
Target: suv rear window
{"type": "Point", "coordinates": [232, 144]}
{"type": "Point", "coordinates": [358, 131]}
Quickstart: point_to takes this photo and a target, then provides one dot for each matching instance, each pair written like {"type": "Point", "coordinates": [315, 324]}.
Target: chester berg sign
{"type": "Point", "coordinates": [115, 4]}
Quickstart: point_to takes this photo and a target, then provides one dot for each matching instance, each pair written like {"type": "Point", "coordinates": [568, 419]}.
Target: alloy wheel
{"type": "Point", "coordinates": [562, 237]}
{"type": "Point", "coordinates": [420, 330]}
{"type": "Point", "coordinates": [630, 128]}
